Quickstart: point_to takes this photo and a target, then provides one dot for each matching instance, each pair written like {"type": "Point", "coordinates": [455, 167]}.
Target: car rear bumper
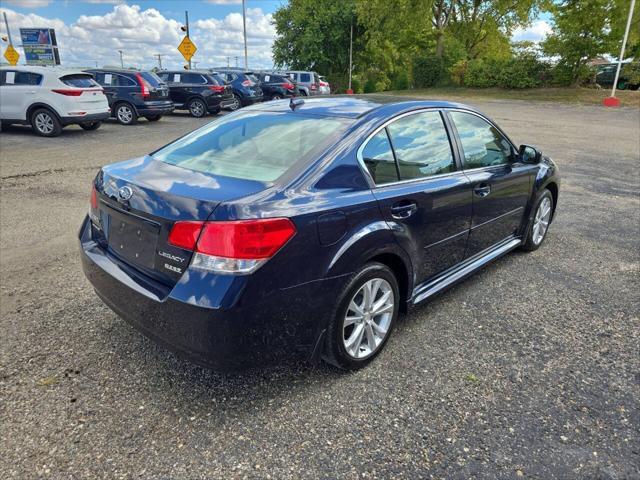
{"type": "Point", "coordinates": [253, 329]}
{"type": "Point", "coordinates": [90, 117]}
{"type": "Point", "coordinates": [245, 101]}
{"type": "Point", "coordinates": [159, 108]}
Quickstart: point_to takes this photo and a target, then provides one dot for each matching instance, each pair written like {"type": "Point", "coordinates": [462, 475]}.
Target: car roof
{"type": "Point", "coordinates": [43, 70]}
{"type": "Point", "coordinates": [200, 72]}
{"type": "Point", "coordinates": [117, 70]}
{"type": "Point", "coordinates": [355, 106]}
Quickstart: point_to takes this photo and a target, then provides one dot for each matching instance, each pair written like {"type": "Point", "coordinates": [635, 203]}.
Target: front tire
{"type": "Point", "coordinates": [90, 125]}
{"type": "Point", "coordinates": [153, 118]}
{"type": "Point", "coordinates": [236, 103]}
{"type": "Point", "coordinates": [46, 123]}
{"type": "Point", "coordinates": [126, 114]}
{"type": "Point", "coordinates": [197, 108]}
{"type": "Point", "coordinates": [365, 316]}
{"type": "Point", "coordinates": [276, 96]}
{"type": "Point", "coordinates": [537, 231]}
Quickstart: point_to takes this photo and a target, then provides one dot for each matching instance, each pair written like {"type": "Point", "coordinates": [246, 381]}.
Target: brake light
{"type": "Point", "coordinates": [93, 211]}
{"type": "Point", "coordinates": [216, 88]}
{"type": "Point", "coordinates": [69, 92]}
{"type": "Point", "coordinates": [144, 86]}
{"type": "Point", "coordinates": [247, 83]}
{"type": "Point", "coordinates": [288, 86]}
{"type": "Point", "coordinates": [324, 84]}
{"type": "Point", "coordinates": [313, 86]}
{"type": "Point", "coordinates": [232, 247]}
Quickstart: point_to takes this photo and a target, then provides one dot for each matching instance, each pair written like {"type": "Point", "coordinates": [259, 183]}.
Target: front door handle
{"type": "Point", "coordinates": [403, 210]}
{"type": "Point", "coordinates": [482, 190]}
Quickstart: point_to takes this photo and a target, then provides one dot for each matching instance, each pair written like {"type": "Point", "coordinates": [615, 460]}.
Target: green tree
{"type": "Point", "coordinates": [313, 36]}
{"type": "Point", "coordinates": [584, 29]}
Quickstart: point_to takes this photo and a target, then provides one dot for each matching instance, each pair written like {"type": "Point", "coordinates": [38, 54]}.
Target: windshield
{"type": "Point", "coordinates": [258, 146]}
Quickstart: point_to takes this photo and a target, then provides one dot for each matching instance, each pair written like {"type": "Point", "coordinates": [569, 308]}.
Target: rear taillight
{"type": "Point", "coordinates": [93, 211]}
{"type": "Point", "coordinates": [144, 86]}
{"type": "Point", "coordinates": [69, 92]}
{"type": "Point", "coordinates": [288, 86]}
{"type": "Point", "coordinates": [313, 86]}
{"type": "Point", "coordinates": [233, 247]}
{"type": "Point", "coordinates": [324, 84]}
{"type": "Point", "coordinates": [216, 88]}
{"type": "Point", "coordinates": [247, 83]}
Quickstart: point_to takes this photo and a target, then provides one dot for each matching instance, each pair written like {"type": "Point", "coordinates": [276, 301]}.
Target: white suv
{"type": "Point", "coordinates": [49, 98]}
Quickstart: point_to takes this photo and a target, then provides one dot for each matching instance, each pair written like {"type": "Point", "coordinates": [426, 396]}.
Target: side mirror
{"type": "Point", "coordinates": [529, 154]}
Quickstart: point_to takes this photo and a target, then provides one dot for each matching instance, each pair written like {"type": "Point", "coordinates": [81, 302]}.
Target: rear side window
{"type": "Point", "coordinates": [21, 78]}
{"type": "Point", "coordinates": [378, 158]}
{"type": "Point", "coordinates": [259, 146]}
{"type": "Point", "coordinates": [194, 78]}
{"type": "Point", "coordinates": [483, 145]}
{"type": "Point", "coordinates": [218, 78]}
{"type": "Point", "coordinates": [79, 81]}
{"type": "Point", "coordinates": [165, 77]}
{"type": "Point", "coordinates": [421, 145]}
{"type": "Point", "coordinates": [305, 77]}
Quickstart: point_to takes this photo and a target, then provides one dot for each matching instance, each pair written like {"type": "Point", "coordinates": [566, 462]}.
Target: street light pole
{"type": "Point", "coordinates": [7, 25]}
{"type": "Point", "coordinates": [159, 55]}
{"type": "Point", "coordinates": [244, 30]}
{"type": "Point", "coordinates": [186, 17]}
{"type": "Point", "coordinates": [350, 91]}
{"type": "Point", "coordinates": [121, 61]}
{"type": "Point", "coordinates": [624, 43]}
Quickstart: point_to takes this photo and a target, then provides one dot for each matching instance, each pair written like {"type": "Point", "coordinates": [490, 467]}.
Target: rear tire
{"type": "Point", "coordinates": [126, 114]}
{"type": "Point", "coordinates": [276, 96]}
{"type": "Point", "coordinates": [539, 226]}
{"type": "Point", "coordinates": [154, 118]}
{"type": "Point", "coordinates": [363, 320]}
{"type": "Point", "coordinates": [197, 108]}
{"type": "Point", "coordinates": [46, 123]}
{"type": "Point", "coordinates": [90, 125]}
{"type": "Point", "coordinates": [236, 103]}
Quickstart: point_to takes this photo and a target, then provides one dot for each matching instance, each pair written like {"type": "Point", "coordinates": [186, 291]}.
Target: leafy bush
{"type": "Point", "coordinates": [458, 71]}
{"type": "Point", "coordinates": [356, 86]}
{"type": "Point", "coordinates": [400, 81]}
{"type": "Point", "coordinates": [427, 71]}
{"type": "Point", "coordinates": [631, 72]}
{"type": "Point", "coordinates": [523, 71]}
{"type": "Point", "coordinates": [370, 85]}
{"type": "Point", "coordinates": [564, 75]}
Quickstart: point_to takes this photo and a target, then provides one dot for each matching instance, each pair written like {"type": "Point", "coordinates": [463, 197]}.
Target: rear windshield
{"type": "Point", "coordinates": [151, 78]}
{"type": "Point", "coordinates": [258, 146]}
{"type": "Point", "coordinates": [79, 80]}
{"type": "Point", "coordinates": [217, 79]}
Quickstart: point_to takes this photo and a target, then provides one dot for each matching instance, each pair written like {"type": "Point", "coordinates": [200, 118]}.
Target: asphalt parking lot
{"type": "Point", "coordinates": [530, 369]}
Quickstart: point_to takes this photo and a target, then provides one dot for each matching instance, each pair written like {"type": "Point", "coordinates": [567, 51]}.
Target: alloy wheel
{"type": "Point", "coordinates": [236, 103]}
{"type": "Point", "coordinates": [541, 221]}
{"type": "Point", "coordinates": [368, 318]}
{"type": "Point", "coordinates": [44, 123]}
{"type": "Point", "coordinates": [197, 109]}
{"type": "Point", "coordinates": [125, 114]}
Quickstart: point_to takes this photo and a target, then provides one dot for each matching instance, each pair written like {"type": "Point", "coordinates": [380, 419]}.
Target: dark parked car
{"type": "Point", "coordinates": [606, 74]}
{"type": "Point", "coordinates": [133, 94]}
{"type": "Point", "coordinates": [275, 86]}
{"type": "Point", "coordinates": [245, 85]}
{"type": "Point", "coordinates": [300, 229]}
{"type": "Point", "coordinates": [198, 91]}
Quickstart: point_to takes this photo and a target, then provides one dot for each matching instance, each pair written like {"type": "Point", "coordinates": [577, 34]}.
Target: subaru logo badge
{"type": "Point", "coordinates": [124, 193]}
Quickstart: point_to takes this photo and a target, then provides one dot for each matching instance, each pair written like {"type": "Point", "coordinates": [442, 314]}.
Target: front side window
{"type": "Point", "coordinates": [421, 145]}
{"type": "Point", "coordinates": [193, 78]}
{"type": "Point", "coordinates": [483, 145]}
{"type": "Point", "coordinates": [378, 158]}
{"type": "Point", "coordinates": [259, 146]}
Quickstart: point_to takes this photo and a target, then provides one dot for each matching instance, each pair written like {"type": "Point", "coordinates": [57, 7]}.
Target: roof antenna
{"type": "Point", "coordinates": [295, 102]}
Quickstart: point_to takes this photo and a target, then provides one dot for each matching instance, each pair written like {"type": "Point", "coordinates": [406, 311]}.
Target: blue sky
{"type": "Point", "coordinates": [90, 32]}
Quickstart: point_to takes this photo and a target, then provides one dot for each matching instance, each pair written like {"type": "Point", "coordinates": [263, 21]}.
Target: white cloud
{"type": "Point", "coordinates": [28, 3]}
{"type": "Point", "coordinates": [141, 34]}
{"type": "Point", "coordinates": [536, 32]}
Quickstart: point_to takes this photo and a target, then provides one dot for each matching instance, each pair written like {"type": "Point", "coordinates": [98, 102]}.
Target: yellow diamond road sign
{"type": "Point", "coordinates": [187, 48]}
{"type": "Point", "coordinates": [11, 55]}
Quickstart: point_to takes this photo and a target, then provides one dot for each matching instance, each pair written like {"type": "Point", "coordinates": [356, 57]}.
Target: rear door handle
{"type": "Point", "coordinates": [403, 210]}
{"type": "Point", "coordinates": [482, 190]}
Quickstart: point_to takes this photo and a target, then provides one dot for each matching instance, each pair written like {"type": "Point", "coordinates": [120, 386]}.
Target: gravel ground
{"type": "Point", "coordinates": [530, 369]}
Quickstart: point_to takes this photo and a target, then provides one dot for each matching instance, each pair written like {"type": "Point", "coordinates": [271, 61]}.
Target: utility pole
{"type": "Point", "coordinates": [236, 57]}
{"type": "Point", "coordinates": [186, 17]}
{"type": "Point", "coordinates": [6, 23]}
{"type": "Point", "coordinates": [159, 57]}
{"type": "Point", "coordinates": [350, 91]}
{"type": "Point", "coordinates": [228, 64]}
{"type": "Point", "coordinates": [121, 60]}
{"type": "Point", "coordinates": [244, 31]}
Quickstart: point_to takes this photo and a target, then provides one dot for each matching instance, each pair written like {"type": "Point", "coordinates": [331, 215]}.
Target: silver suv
{"type": "Point", "coordinates": [308, 83]}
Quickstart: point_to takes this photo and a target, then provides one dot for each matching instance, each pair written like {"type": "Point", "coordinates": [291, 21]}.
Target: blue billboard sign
{"type": "Point", "coordinates": [40, 46]}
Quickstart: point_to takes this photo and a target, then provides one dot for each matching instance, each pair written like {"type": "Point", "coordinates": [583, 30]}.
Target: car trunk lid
{"type": "Point", "coordinates": [139, 200]}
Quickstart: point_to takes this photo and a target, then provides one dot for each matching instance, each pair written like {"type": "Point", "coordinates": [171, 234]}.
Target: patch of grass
{"type": "Point", "coordinates": [582, 96]}
{"type": "Point", "coordinates": [471, 378]}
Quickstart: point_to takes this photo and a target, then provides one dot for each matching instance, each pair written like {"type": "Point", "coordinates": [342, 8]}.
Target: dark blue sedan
{"type": "Point", "coordinates": [299, 230]}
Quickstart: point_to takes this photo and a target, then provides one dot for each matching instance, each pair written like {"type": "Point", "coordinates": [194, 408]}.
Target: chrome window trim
{"type": "Point", "coordinates": [365, 170]}
{"type": "Point", "coordinates": [482, 117]}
